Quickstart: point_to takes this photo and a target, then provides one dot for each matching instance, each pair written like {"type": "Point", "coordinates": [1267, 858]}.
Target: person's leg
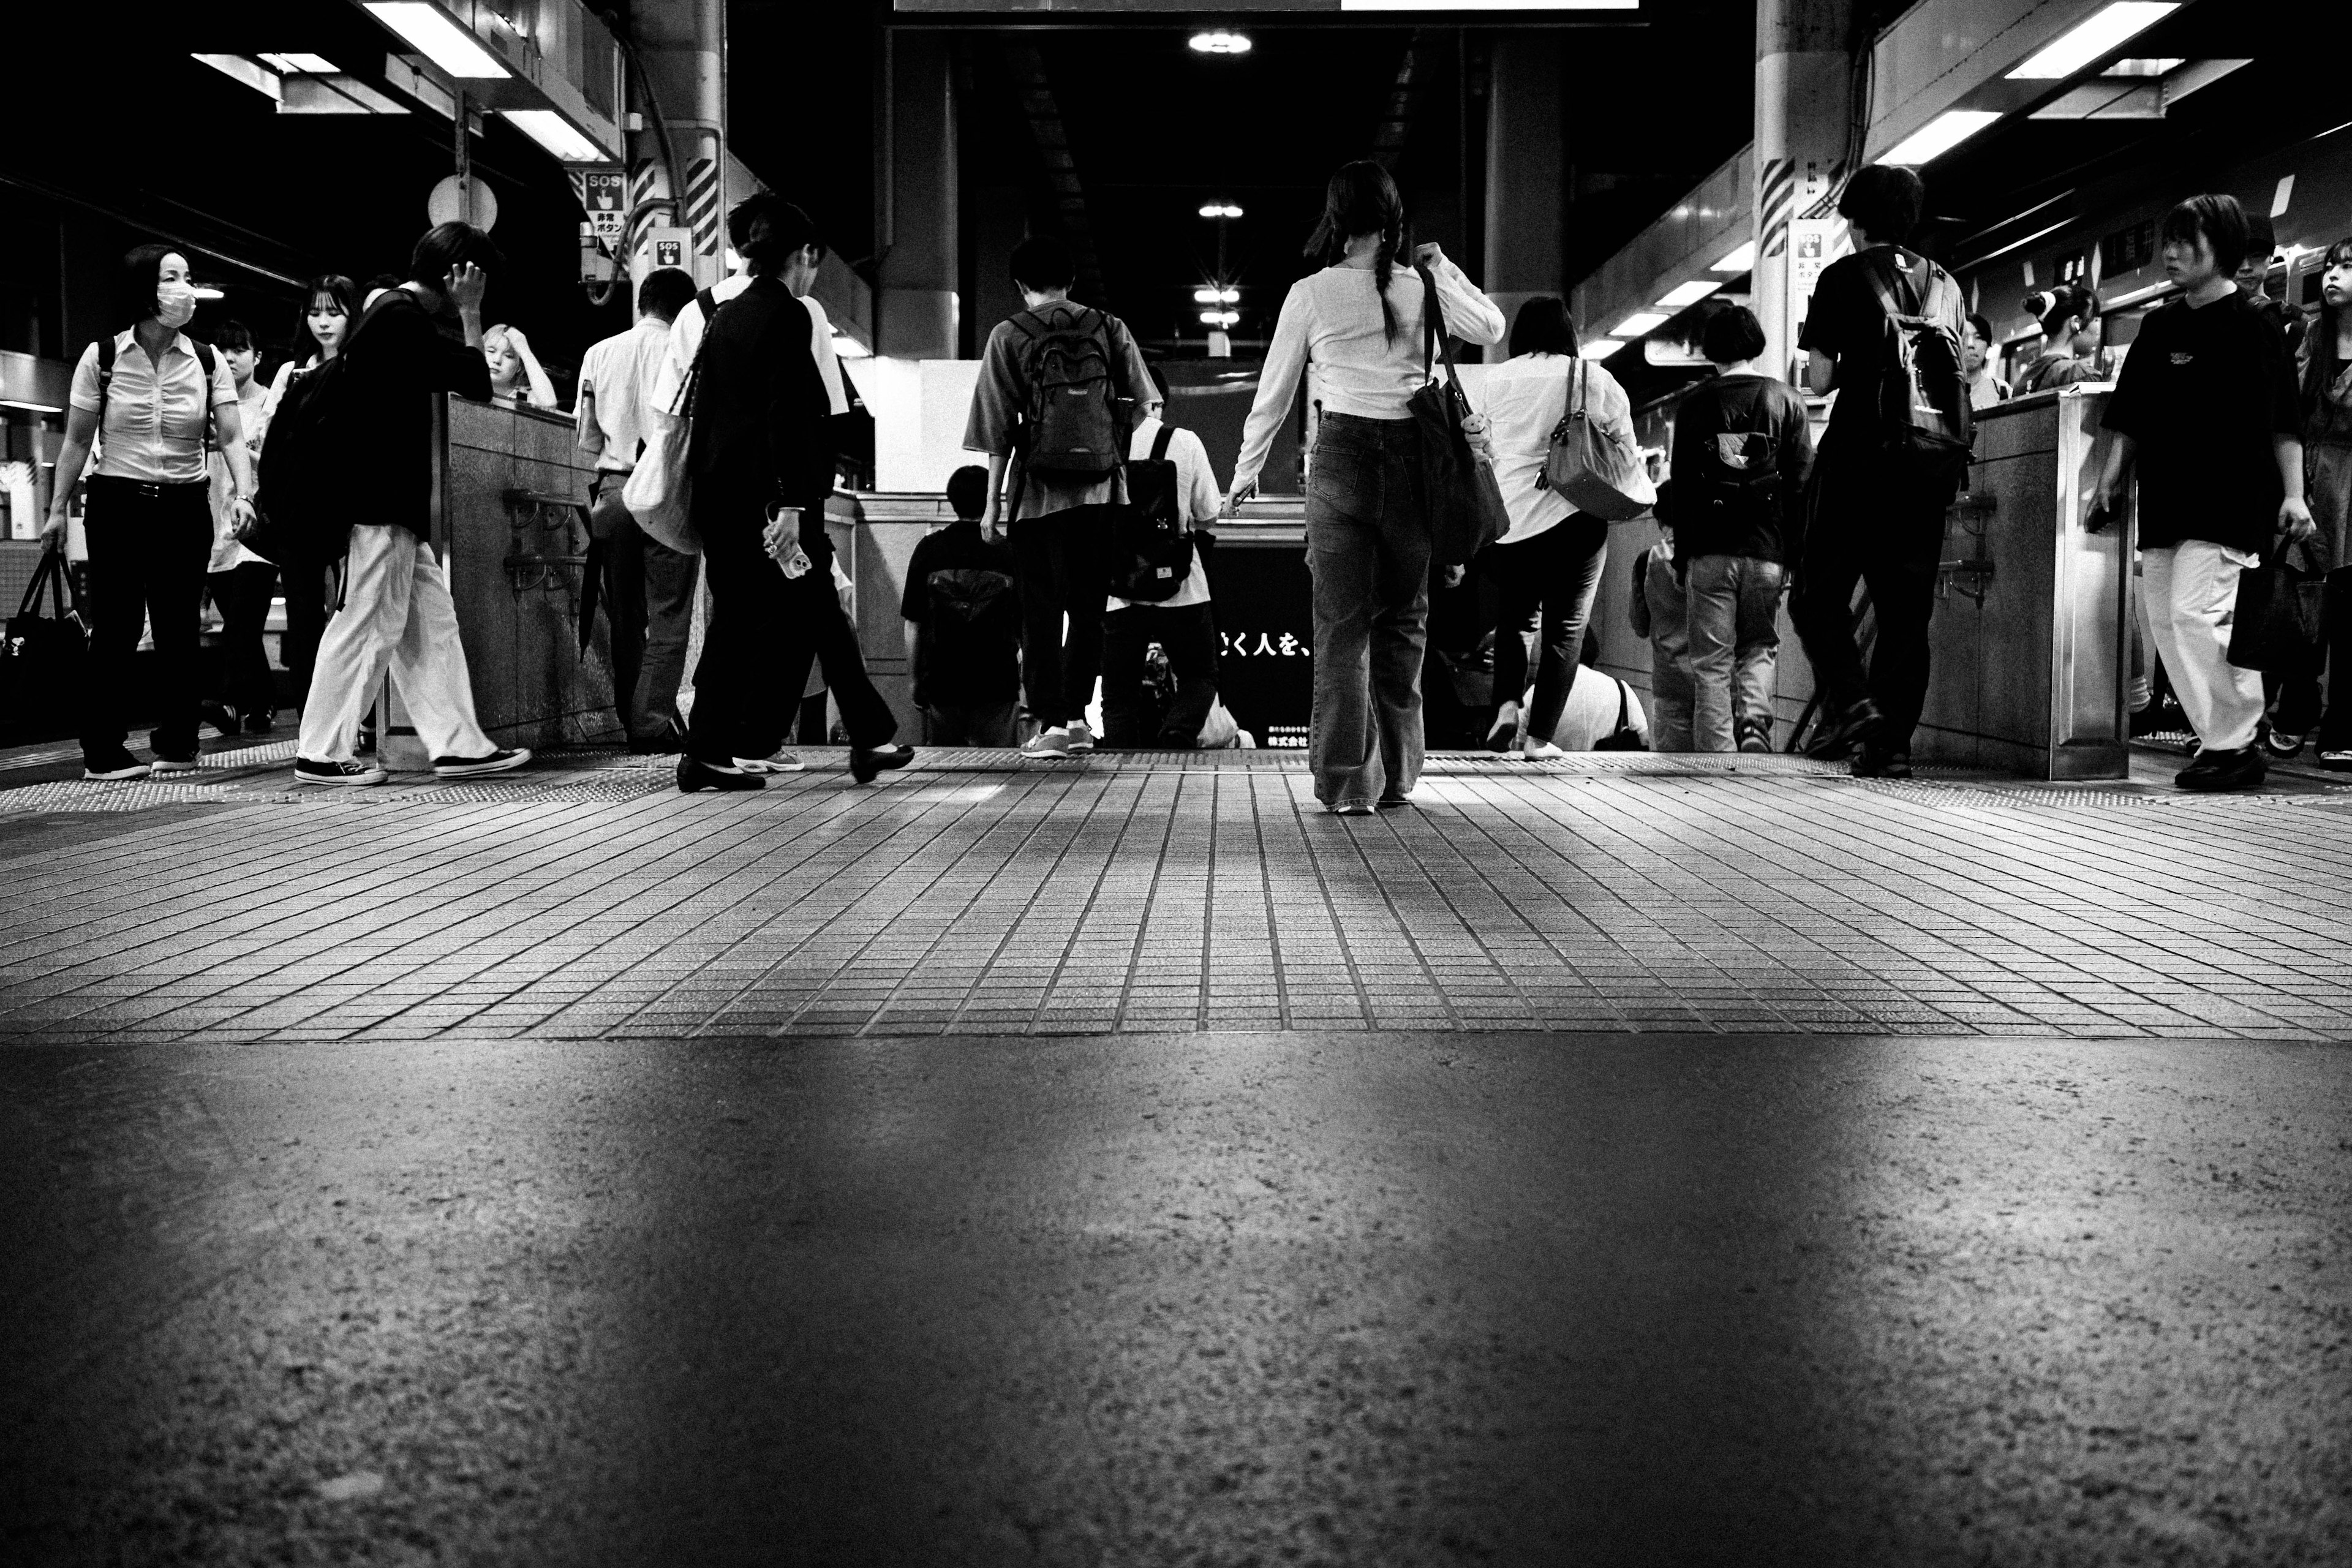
{"type": "Point", "coordinates": [994, 724]}
{"type": "Point", "coordinates": [114, 527]}
{"type": "Point", "coordinates": [1190, 635]}
{"type": "Point", "coordinates": [826, 632]}
{"type": "Point", "coordinates": [2223, 703]}
{"type": "Point", "coordinates": [1902, 597]}
{"type": "Point", "coordinates": [1086, 572]}
{"type": "Point", "coordinates": [1343, 497]}
{"type": "Point", "coordinates": [1711, 638]}
{"type": "Point", "coordinates": [1822, 612]}
{"type": "Point", "coordinates": [738, 639]}
{"type": "Point", "coordinates": [428, 665]}
{"type": "Point", "coordinates": [243, 594]}
{"type": "Point", "coordinates": [1518, 605]}
{"type": "Point", "coordinates": [1125, 633]}
{"type": "Point", "coordinates": [356, 647]}
{"type": "Point", "coordinates": [2336, 727]}
{"type": "Point", "coordinates": [306, 622]}
{"type": "Point", "coordinates": [1757, 652]}
{"type": "Point", "coordinates": [1401, 617]}
{"type": "Point", "coordinates": [668, 602]}
{"type": "Point", "coordinates": [179, 547]}
{"type": "Point", "coordinates": [1038, 565]}
{"type": "Point", "coordinates": [624, 612]}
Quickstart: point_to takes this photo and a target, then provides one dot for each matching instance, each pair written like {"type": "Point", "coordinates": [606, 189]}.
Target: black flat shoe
{"type": "Point", "coordinates": [220, 716]}
{"type": "Point", "coordinates": [1876, 762]}
{"type": "Point", "coordinates": [864, 765]}
{"type": "Point", "coordinates": [693, 775]}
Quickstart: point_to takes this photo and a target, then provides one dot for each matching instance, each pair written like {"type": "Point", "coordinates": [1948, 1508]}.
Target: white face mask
{"type": "Point", "coordinates": [176, 304]}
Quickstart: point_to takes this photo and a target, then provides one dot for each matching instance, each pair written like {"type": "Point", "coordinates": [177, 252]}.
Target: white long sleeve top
{"type": "Point", "coordinates": [1330, 330]}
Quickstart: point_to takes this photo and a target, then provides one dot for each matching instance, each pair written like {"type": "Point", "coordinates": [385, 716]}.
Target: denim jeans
{"type": "Point", "coordinates": [1670, 682]}
{"type": "Point", "coordinates": [1734, 641]}
{"type": "Point", "coordinates": [1367, 549]}
{"type": "Point", "coordinates": [1545, 584]}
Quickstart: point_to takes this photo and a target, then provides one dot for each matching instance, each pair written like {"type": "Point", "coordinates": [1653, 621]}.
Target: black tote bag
{"type": "Point", "coordinates": [1465, 500]}
{"type": "Point", "coordinates": [2275, 626]}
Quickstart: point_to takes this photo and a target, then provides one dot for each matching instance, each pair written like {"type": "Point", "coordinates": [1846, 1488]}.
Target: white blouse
{"type": "Point", "coordinates": [1523, 399]}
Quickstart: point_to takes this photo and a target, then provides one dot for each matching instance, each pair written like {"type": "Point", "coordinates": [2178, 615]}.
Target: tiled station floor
{"type": "Point", "coordinates": [1158, 892]}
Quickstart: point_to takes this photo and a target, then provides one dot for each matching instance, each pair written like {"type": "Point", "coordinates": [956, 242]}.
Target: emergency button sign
{"type": "Point", "coordinates": [605, 193]}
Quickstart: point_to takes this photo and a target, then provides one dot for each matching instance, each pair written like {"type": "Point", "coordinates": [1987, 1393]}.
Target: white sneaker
{"type": "Point", "coordinates": [163, 764]}
{"type": "Point", "coordinates": [782, 762]}
{"type": "Point", "coordinates": [1082, 738]}
{"type": "Point", "coordinates": [1540, 751]}
{"type": "Point", "coordinates": [1051, 744]}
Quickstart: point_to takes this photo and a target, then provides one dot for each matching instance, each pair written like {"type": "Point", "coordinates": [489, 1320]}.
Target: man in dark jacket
{"type": "Point", "coordinates": [1742, 453]}
{"type": "Point", "coordinates": [762, 446]}
{"type": "Point", "coordinates": [396, 614]}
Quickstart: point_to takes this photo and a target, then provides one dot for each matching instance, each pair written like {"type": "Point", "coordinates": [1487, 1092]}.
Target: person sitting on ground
{"type": "Point", "coordinates": [516, 377]}
{"type": "Point", "coordinates": [1182, 627]}
{"type": "Point", "coordinates": [1742, 453]}
{"type": "Point", "coordinates": [2206, 413]}
{"type": "Point", "coordinates": [397, 616]}
{"type": "Point", "coordinates": [1986, 388]}
{"type": "Point", "coordinates": [963, 625]}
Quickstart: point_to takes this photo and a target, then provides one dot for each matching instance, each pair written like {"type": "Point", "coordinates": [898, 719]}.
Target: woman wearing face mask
{"type": "Point", "coordinates": [332, 306]}
{"type": "Point", "coordinates": [148, 521]}
{"type": "Point", "coordinates": [515, 378]}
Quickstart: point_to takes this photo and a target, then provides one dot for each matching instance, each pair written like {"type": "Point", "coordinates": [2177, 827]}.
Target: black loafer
{"type": "Point", "coordinates": [864, 765]}
{"type": "Point", "coordinates": [693, 775]}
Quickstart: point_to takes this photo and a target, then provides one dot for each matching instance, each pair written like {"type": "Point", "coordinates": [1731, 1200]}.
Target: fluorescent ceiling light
{"type": "Point", "coordinates": [2081, 44]}
{"type": "Point", "coordinates": [1600, 348]}
{"type": "Point", "coordinates": [1221, 209]}
{"type": "Point", "coordinates": [557, 135]}
{"type": "Point", "coordinates": [1221, 42]}
{"type": "Point", "coordinates": [430, 31]}
{"type": "Point", "coordinates": [31, 408]}
{"type": "Point", "coordinates": [2145, 68]}
{"type": "Point", "coordinates": [237, 68]}
{"type": "Point", "coordinates": [1639, 322]}
{"type": "Point", "coordinates": [1940, 135]}
{"type": "Point", "coordinates": [1219, 318]}
{"type": "Point", "coordinates": [206, 291]}
{"type": "Point", "coordinates": [1740, 260]}
{"type": "Point", "coordinates": [302, 64]}
{"type": "Point", "coordinates": [1683, 294]}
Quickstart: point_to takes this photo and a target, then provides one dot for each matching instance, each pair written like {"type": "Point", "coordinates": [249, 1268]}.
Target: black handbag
{"type": "Point", "coordinates": [1465, 500]}
{"type": "Point", "coordinates": [41, 659]}
{"type": "Point", "coordinates": [2275, 626]}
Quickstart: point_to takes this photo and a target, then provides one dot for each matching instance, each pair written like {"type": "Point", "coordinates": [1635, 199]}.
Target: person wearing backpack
{"type": "Point", "coordinates": [1883, 332]}
{"type": "Point", "coordinates": [963, 625]}
{"type": "Point", "coordinates": [1182, 624]}
{"type": "Point", "coordinates": [1368, 532]}
{"type": "Point", "coordinates": [1054, 408]}
{"type": "Point", "coordinates": [368, 416]}
{"type": "Point", "coordinates": [2206, 415]}
{"type": "Point", "coordinates": [1742, 453]}
{"type": "Point", "coordinates": [147, 396]}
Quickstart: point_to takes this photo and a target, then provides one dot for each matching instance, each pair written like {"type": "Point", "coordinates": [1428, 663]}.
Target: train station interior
{"type": "Point", "coordinates": [1604, 1151]}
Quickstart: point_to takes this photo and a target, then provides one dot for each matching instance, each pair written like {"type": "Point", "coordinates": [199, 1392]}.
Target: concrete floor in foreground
{"type": "Point", "coordinates": [1649, 1161]}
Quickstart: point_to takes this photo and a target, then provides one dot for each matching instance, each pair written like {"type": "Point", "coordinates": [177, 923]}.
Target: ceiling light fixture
{"type": "Point", "coordinates": [1219, 318]}
{"type": "Point", "coordinates": [430, 31]}
{"type": "Point", "coordinates": [2086, 42]}
{"type": "Point", "coordinates": [2145, 66]}
{"type": "Point", "coordinates": [1691, 293]}
{"type": "Point", "coordinates": [1740, 260]}
{"type": "Point", "coordinates": [1221, 209]}
{"type": "Point", "coordinates": [1639, 322]}
{"type": "Point", "coordinates": [301, 65]}
{"type": "Point", "coordinates": [1489, 5]}
{"type": "Point", "coordinates": [206, 291]}
{"type": "Point", "coordinates": [1940, 135]}
{"type": "Point", "coordinates": [557, 135]}
{"type": "Point", "coordinates": [1600, 348]}
{"type": "Point", "coordinates": [1220, 42]}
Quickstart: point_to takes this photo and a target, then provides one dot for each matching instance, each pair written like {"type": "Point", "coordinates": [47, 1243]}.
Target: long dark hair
{"type": "Point", "coordinates": [335, 287]}
{"type": "Point", "coordinates": [1362, 199]}
{"type": "Point", "coordinates": [2319, 339]}
{"type": "Point", "coordinates": [1544, 326]}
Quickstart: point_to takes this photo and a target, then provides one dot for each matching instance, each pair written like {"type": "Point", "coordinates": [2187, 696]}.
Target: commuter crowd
{"type": "Point", "coordinates": [1074, 586]}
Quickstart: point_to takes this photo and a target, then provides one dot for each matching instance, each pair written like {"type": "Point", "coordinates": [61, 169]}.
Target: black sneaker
{"type": "Point", "coordinates": [864, 764]}
{"type": "Point", "coordinates": [2281, 748]}
{"type": "Point", "coordinates": [220, 716]}
{"type": "Point", "coordinates": [1836, 742]}
{"type": "Point", "coordinates": [259, 723]}
{"type": "Point", "coordinates": [694, 775]}
{"type": "Point", "coordinates": [2214, 773]}
{"type": "Point", "coordinates": [504, 760]}
{"type": "Point", "coordinates": [349, 775]}
{"type": "Point", "coordinates": [366, 746]}
{"type": "Point", "coordinates": [1876, 762]}
{"type": "Point", "coordinates": [114, 767]}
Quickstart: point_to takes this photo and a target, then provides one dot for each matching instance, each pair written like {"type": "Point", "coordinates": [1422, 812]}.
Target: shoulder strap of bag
{"type": "Point", "coordinates": [1432, 326]}
{"type": "Point", "coordinates": [105, 378]}
{"type": "Point", "coordinates": [1623, 716]}
{"type": "Point", "coordinates": [1160, 442]}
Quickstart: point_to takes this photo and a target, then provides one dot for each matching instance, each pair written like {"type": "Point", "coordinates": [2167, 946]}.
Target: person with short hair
{"type": "Point", "coordinates": [2253, 275]}
{"type": "Point", "coordinates": [1986, 388]}
{"type": "Point", "coordinates": [648, 587]}
{"type": "Point", "coordinates": [2070, 348]}
{"type": "Point", "coordinates": [1183, 627]}
{"type": "Point", "coordinates": [962, 612]}
{"type": "Point", "coordinates": [1065, 565]}
{"type": "Point", "coordinates": [148, 519]}
{"type": "Point", "coordinates": [1742, 453]}
{"type": "Point", "coordinates": [2206, 417]}
{"type": "Point", "coordinates": [517, 378]}
{"type": "Point", "coordinates": [241, 583]}
{"type": "Point", "coordinates": [412, 345]}
{"type": "Point", "coordinates": [1873, 516]}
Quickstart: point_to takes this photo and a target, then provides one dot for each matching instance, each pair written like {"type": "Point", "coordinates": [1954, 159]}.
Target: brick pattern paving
{"type": "Point", "coordinates": [1169, 893]}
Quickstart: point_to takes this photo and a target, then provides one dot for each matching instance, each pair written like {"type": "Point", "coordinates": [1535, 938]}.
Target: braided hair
{"type": "Point", "coordinates": [1362, 199]}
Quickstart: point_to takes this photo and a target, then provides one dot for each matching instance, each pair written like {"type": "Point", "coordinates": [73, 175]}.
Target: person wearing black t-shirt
{"type": "Point", "coordinates": [1873, 519]}
{"type": "Point", "coordinates": [963, 625]}
{"type": "Point", "coordinates": [2206, 412]}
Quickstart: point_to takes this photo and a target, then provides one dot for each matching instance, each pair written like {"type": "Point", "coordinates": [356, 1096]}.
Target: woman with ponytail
{"type": "Point", "coordinates": [1355, 329]}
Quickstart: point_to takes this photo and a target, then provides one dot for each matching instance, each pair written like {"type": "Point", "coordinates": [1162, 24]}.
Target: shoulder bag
{"type": "Point", "coordinates": [659, 490]}
{"type": "Point", "coordinates": [1465, 500]}
{"type": "Point", "coordinates": [41, 656]}
{"type": "Point", "coordinates": [1589, 467]}
{"type": "Point", "coordinates": [2276, 625]}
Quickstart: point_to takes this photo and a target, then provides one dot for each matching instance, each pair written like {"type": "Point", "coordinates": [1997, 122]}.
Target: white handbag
{"type": "Point", "coordinates": [660, 491]}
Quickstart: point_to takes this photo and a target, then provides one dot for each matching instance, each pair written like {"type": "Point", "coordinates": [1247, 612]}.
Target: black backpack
{"type": "Point", "coordinates": [1072, 424]}
{"type": "Point", "coordinates": [1924, 419]}
{"type": "Point", "coordinates": [975, 619]}
{"type": "Point", "coordinates": [1151, 548]}
{"type": "Point", "coordinates": [1737, 484]}
{"type": "Point", "coordinates": [304, 463]}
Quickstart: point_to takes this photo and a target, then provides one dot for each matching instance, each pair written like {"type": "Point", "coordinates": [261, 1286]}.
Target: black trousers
{"type": "Point", "coordinates": [1545, 584]}
{"type": "Point", "coordinates": [243, 594]}
{"type": "Point", "coordinates": [1870, 524]}
{"type": "Point", "coordinates": [763, 632]}
{"type": "Point", "coordinates": [1189, 636]}
{"type": "Point", "coordinates": [2297, 692]}
{"type": "Point", "coordinates": [149, 546]}
{"type": "Point", "coordinates": [308, 591]}
{"type": "Point", "coordinates": [1062, 565]}
{"type": "Point", "coordinates": [648, 591]}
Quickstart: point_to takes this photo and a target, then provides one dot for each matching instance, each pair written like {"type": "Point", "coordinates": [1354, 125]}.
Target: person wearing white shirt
{"type": "Point", "coordinates": [1547, 566]}
{"type": "Point", "coordinates": [1355, 328]}
{"type": "Point", "coordinates": [1182, 625]}
{"type": "Point", "coordinates": [648, 587]}
{"type": "Point", "coordinates": [241, 583]}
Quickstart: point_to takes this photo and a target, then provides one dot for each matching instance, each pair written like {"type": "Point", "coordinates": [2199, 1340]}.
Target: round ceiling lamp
{"type": "Point", "coordinates": [1221, 42]}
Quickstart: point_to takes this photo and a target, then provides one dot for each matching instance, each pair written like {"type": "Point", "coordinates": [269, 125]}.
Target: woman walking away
{"type": "Point", "coordinates": [1548, 566]}
{"type": "Point", "coordinates": [333, 305]}
{"type": "Point", "coordinates": [2328, 463]}
{"type": "Point", "coordinates": [150, 391]}
{"type": "Point", "coordinates": [515, 378]}
{"type": "Point", "coordinates": [1356, 328]}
